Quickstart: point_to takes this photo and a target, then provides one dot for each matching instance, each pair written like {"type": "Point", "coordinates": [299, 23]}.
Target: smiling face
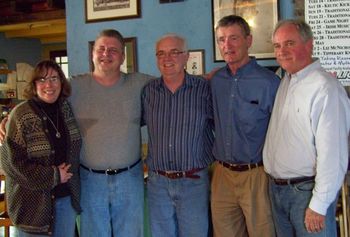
{"type": "Point", "coordinates": [108, 54]}
{"type": "Point", "coordinates": [172, 57]}
{"type": "Point", "coordinates": [233, 45]}
{"type": "Point", "coordinates": [291, 51]}
{"type": "Point", "coordinates": [48, 86]}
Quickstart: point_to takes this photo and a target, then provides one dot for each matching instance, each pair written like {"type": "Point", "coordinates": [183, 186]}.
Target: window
{"type": "Point", "coordinates": [61, 58]}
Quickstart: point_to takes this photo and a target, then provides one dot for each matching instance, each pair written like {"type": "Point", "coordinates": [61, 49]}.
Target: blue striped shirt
{"type": "Point", "coordinates": [180, 125]}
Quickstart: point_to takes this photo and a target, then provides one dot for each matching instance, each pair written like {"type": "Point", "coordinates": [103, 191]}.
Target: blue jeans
{"type": "Point", "coordinates": [289, 203]}
{"type": "Point", "coordinates": [65, 217]}
{"type": "Point", "coordinates": [112, 203]}
{"type": "Point", "coordinates": [178, 207]}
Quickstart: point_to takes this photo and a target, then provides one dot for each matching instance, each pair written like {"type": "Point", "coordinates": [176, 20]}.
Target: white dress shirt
{"type": "Point", "coordinates": [308, 133]}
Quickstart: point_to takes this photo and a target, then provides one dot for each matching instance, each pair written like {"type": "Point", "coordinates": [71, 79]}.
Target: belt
{"type": "Point", "coordinates": [292, 181]}
{"type": "Point", "coordinates": [240, 167]}
{"type": "Point", "coordinates": [110, 171]}
{"type": "Point", "coordinates": [180, 174]}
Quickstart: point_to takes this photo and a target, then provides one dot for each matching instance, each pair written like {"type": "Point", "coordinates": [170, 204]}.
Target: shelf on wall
{"type": "Point", "coordinates": [5, 71]}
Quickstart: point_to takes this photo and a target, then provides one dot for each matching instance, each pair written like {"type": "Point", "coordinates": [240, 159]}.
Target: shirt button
{"type": "Point", "coordinates": [53, 152]}
{"type": "Point", "coordinates": [44, 118]}
{"type": "Point", "coordinates": [46, 130]}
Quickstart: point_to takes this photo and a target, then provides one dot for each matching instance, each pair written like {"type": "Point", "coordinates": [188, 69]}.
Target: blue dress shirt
{"type": "Point", "coordinates": [242, 105]}
{"type": "Point", "coordinates": [180, 125]}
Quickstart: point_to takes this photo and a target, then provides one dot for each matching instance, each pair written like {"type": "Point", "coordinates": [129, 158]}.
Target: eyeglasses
{"type": "Point", "coordinates": [173, 53]}
{"type": "Point", "coordinates": [43, 80]}
{"type": "Point", "coordinates": [112, 50]}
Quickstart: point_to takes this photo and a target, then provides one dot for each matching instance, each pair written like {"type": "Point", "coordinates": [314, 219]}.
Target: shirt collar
{"type": "Point", "coordinates": [188, 82]}
{"type": "Point", "coordinates": [306, 70]}
{"type": "Point", "coordinates": [246, 68]}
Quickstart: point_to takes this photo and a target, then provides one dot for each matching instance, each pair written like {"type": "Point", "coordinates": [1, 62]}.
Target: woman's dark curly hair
{"type": "Point", "coordinates": [41, 70]}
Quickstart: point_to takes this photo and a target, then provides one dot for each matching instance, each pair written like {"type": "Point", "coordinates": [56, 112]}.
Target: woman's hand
{"type": "Point", "coordinates": [65, 175]}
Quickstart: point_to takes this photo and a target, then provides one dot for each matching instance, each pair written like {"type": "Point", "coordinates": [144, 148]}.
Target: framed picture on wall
{"type": "Point", "coordinates": [195, 64]}
{"type": "Point", "coordinates": [261, 15]}
{"type": "Point", "coordinates": [299, 9]}
{"type": "Point", "coordinates": [130, 62]}
{"type": "Point", "coordinates": [102, 10]}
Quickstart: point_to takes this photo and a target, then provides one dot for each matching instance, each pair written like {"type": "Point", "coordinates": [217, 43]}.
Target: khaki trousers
{"type": "Point", "coordinates": [240, 203]}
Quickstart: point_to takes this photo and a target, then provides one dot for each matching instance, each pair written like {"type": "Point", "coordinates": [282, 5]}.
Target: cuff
{"type": "Point", "coordinates": [318, 206]}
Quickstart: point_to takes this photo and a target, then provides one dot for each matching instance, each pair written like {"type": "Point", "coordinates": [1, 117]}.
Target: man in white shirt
{"type": "Point", "coordinates": [306, 149]}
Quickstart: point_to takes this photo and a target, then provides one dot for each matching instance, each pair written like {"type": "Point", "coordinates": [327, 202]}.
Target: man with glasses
{"type": "Point", "coordinates": [177, 112]}
{"type": "Point", "coordinates": [243, 95]}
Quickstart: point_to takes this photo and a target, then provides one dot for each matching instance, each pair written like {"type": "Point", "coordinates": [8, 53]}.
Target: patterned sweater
{"type": "Point", "coordinates": [27, 157]}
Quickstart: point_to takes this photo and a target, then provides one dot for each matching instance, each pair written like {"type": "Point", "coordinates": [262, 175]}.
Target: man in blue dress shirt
{"type": "Point", "coordinates": [243, 95]}
{"type": "Point", "coordinates": [177, 112]}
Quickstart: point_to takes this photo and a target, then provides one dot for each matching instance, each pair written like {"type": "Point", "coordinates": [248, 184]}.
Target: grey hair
{"type": "Point", "coordinates": [302, 27]}
{"type": "Point", "coordinates": [175, 36]}
{"type": "Point", "coordinates": [234, 20]}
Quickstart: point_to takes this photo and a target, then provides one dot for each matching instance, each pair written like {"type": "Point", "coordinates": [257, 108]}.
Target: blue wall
{"type": "Point", "coordinates": [19, 50]}
{"type": "Point", "coordinates": [191, 18]}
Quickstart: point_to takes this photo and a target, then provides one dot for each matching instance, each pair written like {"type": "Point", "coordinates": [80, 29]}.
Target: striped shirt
{"type": "Point", "coordinates": [180, 125]}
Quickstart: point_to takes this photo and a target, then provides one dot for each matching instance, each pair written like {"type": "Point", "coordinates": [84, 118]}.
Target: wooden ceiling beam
{"type": "Point", "coordinates": [34, 24]}
{"type": "Point", "coordinates": [53, 39]}
{"type": "Point", "coordinates": [40, 19]}
{"type": "Point", "coordinates": [37, 31]}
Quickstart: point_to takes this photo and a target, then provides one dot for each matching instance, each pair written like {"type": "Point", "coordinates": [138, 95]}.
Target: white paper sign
{"type": "Point", "coordinates": [330, 23]}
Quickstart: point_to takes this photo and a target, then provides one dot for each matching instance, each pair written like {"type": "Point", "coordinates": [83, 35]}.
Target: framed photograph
{"type": "Point", "coordinates": [130, 62]}
{"type": "Point", "coordinates": [299, 9]}
{"type": "Point", "coordinates": [102, 10]}
{"type": "Point", "coordinates": [195, 64]}
{"type": "Point", "coordinates": [261, 15]}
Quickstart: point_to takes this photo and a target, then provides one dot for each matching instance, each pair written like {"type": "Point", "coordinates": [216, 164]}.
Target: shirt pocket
{"type": "Point", "coordinates": [249, 113]}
